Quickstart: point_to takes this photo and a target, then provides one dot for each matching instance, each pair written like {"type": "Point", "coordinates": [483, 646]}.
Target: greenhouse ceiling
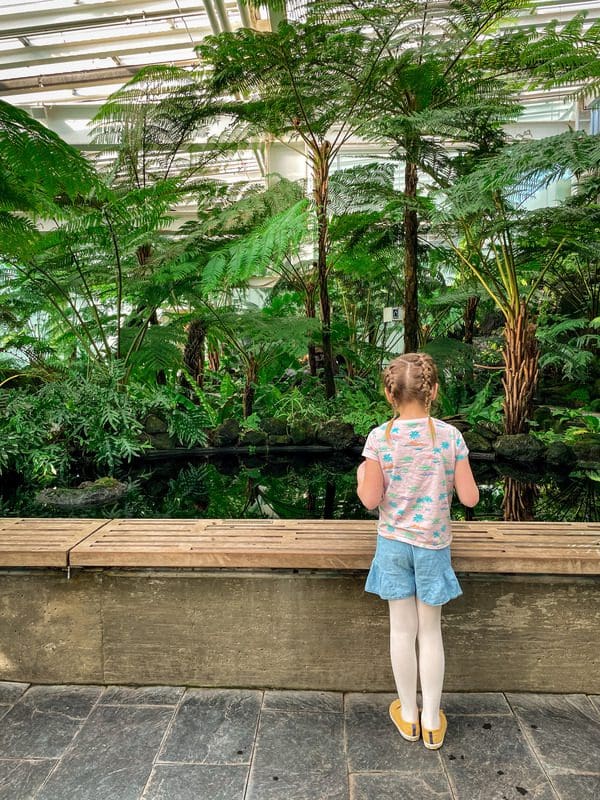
{"type": "Point", "coordinates": [61, 59]}
{"type": "Point", "coordinates": [56, 51]}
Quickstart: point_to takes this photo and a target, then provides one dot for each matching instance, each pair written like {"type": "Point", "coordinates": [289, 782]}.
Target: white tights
{"type": "Point", "coordinates": [410, 621]}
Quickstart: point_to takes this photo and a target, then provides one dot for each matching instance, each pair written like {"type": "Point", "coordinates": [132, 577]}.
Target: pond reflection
{"type": "Point", "coordinates": [311, 487]}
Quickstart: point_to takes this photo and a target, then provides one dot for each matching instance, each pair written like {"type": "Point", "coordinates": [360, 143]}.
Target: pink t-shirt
{"type": "Point", "coordinates": [418, 476]}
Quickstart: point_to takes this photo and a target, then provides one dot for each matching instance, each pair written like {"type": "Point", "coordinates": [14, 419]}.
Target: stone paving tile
{"type": "Point", "coordinates": [10, 691]}
{"type": "Point", "coordinates": [577, 787]}
{"type": "Point", "coordinates": [196, 782]}
{"type": "Point", "coordinates": [3, 710]}
{"type": "Point", "coordinates": [595, 698]}
{"type": "Point", "coordinates": [214, 726]}
{"type": "Point", "coordinates": [20, 780]}
{"type": "Point", "coordinates": [489, 759]}
{"type": "Point", "coordinates": [44, 720]}
{"type": "Point", "coordinates": [316, 785]}
{"type": "Point", "coordinates": [565, 730]}
{"type": "Point", "coordinates": [304, 701]}
{"type": "Point", "coordinates": [299, 755]}
{"type": "Point", "coordinates": [374, 744]}
{"type": "Point", "coordinates": [475, 703]}
{"type": "Point", "coordinates": [142, 695]}
{"type": "Point", "coordinates": [395, 785]}
{"type": "Point", "coordinates": [112, 755]}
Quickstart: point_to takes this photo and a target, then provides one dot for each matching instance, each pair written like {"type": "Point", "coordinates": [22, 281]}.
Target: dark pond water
{"type": "Point", "coordinates": [307, 486]}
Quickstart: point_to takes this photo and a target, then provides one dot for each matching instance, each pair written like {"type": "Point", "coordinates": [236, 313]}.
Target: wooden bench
{"type": "Point", "coordinates": [565, 548]}
{"type": "Point", "coordinates": [216, 603]}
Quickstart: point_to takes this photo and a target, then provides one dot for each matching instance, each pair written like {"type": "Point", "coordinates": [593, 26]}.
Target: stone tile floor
{"type": "Point", "coordinates": [172, 743]}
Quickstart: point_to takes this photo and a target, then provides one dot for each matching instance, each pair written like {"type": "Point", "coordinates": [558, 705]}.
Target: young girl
{"type": "Point", "coordinates": [412, 465]}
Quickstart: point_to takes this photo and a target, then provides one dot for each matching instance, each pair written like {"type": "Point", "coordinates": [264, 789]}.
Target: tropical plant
{"type": "Point", "coordinates": [494, 245]}
{"type": "Point", "coordinates": [297, 91]}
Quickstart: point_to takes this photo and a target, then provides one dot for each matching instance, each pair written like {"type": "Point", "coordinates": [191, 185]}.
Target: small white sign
{"type": "Point", "coordinates": [393, 314]}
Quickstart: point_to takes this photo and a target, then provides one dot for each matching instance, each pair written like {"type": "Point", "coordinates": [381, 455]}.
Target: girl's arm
{"type": "Point", "coordinates": [464, 483]}
{"type": "Point", "coordinates": [370, 483]}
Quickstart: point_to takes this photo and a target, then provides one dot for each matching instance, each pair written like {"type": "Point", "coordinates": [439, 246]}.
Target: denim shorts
{"type": "Point", "coordinates": [400, 570]}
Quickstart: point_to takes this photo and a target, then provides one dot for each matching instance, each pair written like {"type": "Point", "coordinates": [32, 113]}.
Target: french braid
{"type": "Point", "coordinates": [410, 377]}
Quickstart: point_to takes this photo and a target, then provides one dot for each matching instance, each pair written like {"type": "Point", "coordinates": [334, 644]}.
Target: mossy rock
{"type": "Point", "coordinates": [587, 449]}
{"type": "Point", "coordinates": [275, 426]}
{"type": "Point", "coordinates": [339, 435]}
{"type": "Point", "coordinates": [521, 447]}
{"type": "Point", "coordinates": [226, 434]}
{"type": "Point", "coordinates": [253, 439]}
{"type": "Point", "coordinates": [459, 423]}
{"type": "Point", "coordinates": [491, 430]}
{"type": "Point", "coordinates": [275, 440]}
{"type": "Point", "coordinates": [154, 424]}
{"type": "Point", "coordinates": [88, 493]}
{"type": "Point", "coordinates": [302, 432]}
{"type": "Point", "coordinates": [162, 441]}
{"type": "Point", "coordinates": [560, 454]}
{"type": "Point", "coordinates": [477, 443]}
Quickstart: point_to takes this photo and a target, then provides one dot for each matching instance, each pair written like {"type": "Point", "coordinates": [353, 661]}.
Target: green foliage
{"type": "Point", "coordinates": [486, 405]}
{"type": "Point", "coordinates": [358, 404]}
{"type": "Point", "coordinates": [569, 347]}
{"type": "Point", "coordinates": [79, 420]}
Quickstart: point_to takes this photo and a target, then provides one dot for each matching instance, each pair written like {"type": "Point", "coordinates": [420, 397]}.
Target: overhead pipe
{"type": "Point", "coordinates": [244, 14]}
{"type": "Point", "coordinates": [222, 12]}
{"type": "Point", "coordinates": [212, 17]}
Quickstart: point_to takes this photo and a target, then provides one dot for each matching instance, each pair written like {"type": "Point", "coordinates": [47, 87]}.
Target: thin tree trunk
{"type": "Point", "coordinates": [250, 387]}
{"type": "Point", "coordinates": [321, 194]}
{"type": "Point", "coordinates": [214, 359]}
{"type": "Point", "coordinates": [311, 313]}
{"type": "Point", "coordinates": [521, 371]}
{"type": "Point", "coordinates": [469, 319]}
{"type": "Point", "coordinates": [194, 353]}
{"type": "Point", "coordinates": [411, 289]}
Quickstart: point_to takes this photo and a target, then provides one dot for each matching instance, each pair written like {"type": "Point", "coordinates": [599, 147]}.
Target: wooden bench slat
{"type": "Point", "coordinates": [479, 546]}
{"type": "Point", "coordinates": [42, 542]}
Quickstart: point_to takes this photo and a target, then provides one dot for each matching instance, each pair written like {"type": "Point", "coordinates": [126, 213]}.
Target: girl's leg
{"type": "Point", "coordinates": [403, 635]}
{"type": "Point", "coordinates": [431, 662]}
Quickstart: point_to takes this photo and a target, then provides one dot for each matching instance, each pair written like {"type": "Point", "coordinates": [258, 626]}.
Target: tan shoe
{"type": "Point", "coordinates": [411, 731]}
{"type": "Point", "coordinates": [433, 740]}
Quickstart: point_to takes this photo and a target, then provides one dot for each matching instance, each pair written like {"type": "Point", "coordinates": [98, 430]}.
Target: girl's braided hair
{"type": "Point", "coordinates": [407, 378]}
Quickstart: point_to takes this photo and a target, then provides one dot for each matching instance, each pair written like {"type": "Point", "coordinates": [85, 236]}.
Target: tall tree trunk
{"type": "Point", "coordinates": [411, 289]}
{"type": "Point", "coordinates": [521, 371]}
{"type": "Point", "coordinates": [311, 313]}
{"type": "Point", "coordinates": [194, 353]}
{"type": "Point", "coordinates": [321, 196]}
{"type": "Point", "coordinates": [469, 319]}
{"type": "Point", "coordinates": [250, 387]}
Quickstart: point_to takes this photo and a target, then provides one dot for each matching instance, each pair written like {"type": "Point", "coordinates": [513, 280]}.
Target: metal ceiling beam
{"type": "Point", "coordinates": [92, 15]}
{"type": "Point", "coordinates": [73, 80]}
{"type": "Point", "coordinates": [80, 16]}
{"type": "Point", "coordinates": [129, 45]}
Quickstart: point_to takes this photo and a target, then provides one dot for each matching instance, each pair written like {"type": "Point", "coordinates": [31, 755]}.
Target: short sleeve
{"type": "Point", "coordinates": [462, 451]}
{"type": "Point", "coordinates": [371, 448]}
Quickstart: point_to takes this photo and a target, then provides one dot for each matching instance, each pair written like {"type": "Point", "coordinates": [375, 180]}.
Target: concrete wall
{"type": "Point", "coordinates": [284, 630]}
